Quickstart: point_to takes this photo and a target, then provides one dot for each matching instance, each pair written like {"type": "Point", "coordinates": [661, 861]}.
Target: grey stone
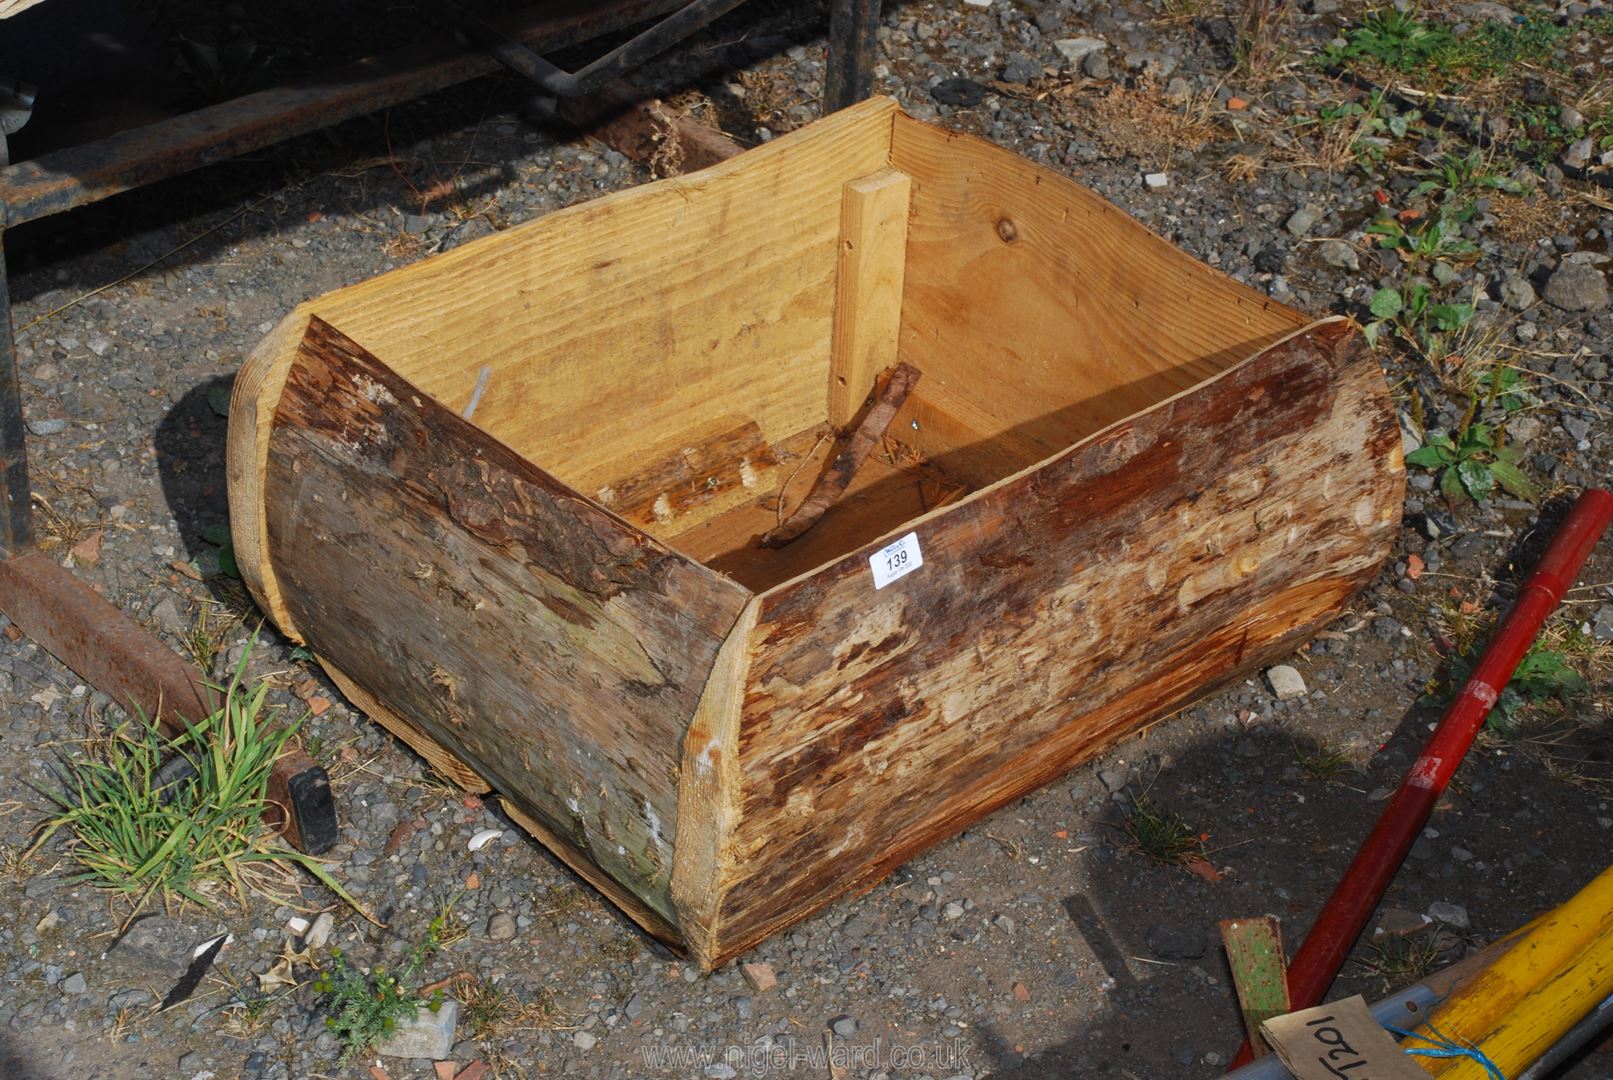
{"type": "Point", "coordinates": [1602, 623]}
{"type": "Point", "coordinates": [319, 933]}
{"type": "Point", "coordinates": [1021, 69]}
{"type": "Point", "coordinates": [1157, 66]}
{"type": "Point", "coordinates": [1096, 65]}
{"type": "Point", "coordinates": [1468, 545]}
{"type": "Point", "coordinates": [501, 927]}
{"type": "Point", "coordinates": [75, 983]}
{"type": "Point", "coordinates": [1076, 50]}
{"type": "Point", "coordinates": [1578, 154]}
{"type": "Point", "coordinates": [429, 1035]}
{"type": "Point", "coordinates": [1524, 429]}
{"type": "Point", "coordinates": [1156, 180]}
{"type": "Point", "coordinates": [1114, 779]}
{"type": "Point", "coordinates": [1576, 285]}
{"type": "Point", "coordinates": [1176, 942]}
{"type": "Point", "coordinates": [1516, 292]}
{"type": "Point", "coordinates": [157, 947]}
{"type": "Point", "coordinates": [1302, 221]}
{"type": "Point", "coordinates": [1286, 682]}
{"type": "Point", "coordinates": [1570, 118]}
{"type": "Point", "coordinates": [584, 1040]}
{"type": "Point", "coordinates": [1338, 254]}
{"type": "Point", "coordinates": [167, 617]}
{"type": "Point", "coordinates": [1449, 914]}
{"type": "Point", "coordinates": [843, 1026]}
{"type": "Point", "coordinates": [47, 426]}
{"type": "Point", "coordinates": [953, 910]}
{"type": "Point", "coordinates": [129, 999]}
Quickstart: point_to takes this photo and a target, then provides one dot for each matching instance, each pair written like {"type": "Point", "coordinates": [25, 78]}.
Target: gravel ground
{"type": "Point", "coordinates": [1039, 943]}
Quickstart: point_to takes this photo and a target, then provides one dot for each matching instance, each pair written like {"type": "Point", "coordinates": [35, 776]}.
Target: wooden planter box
{"type": "Point", "coordinates": [511, 496]}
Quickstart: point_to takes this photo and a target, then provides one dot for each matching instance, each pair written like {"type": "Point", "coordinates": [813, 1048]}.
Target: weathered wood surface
{"type": "Point", "coordinates": [647, 130]}
{"type": "Point", "coordinates": [1053, 613]}
{"type": "Point", "coordinates": [541, 640]}
{"type": "Point", "coordinates": [890, 391]}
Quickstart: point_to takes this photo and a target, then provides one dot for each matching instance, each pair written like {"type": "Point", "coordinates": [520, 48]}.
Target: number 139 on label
{"type": "Point", "coordinates": [895, 560]}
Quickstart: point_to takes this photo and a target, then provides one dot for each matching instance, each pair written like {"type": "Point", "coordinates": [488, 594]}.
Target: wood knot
{"type": "Point", "coordinates": [1007, 232]}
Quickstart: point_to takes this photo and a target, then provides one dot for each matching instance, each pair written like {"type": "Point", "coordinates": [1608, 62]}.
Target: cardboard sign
{"type": "Point", "coordinates": [1339, 1041]}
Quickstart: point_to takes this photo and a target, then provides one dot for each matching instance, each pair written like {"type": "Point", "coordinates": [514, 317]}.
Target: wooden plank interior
{"type": "Point", "coordinates": [868, 287]}
{"type": "Point", "coordinates": [640, 315]}
{"type": "Point", "coordinates": [1040, 313]}
{"type": "Point", "coordinates": [554, 649]}
{"type": "Point", "coordinates": [709, 473]}
{"type": "Point", "coordinates": [893, 486]}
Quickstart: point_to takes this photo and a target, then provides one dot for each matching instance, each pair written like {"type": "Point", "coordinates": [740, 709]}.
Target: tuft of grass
{"type": "Point", "coordinates": [1162, 834]}
{"type": "Point", "coordinates": [621, 949]}
{"type": "Point", "coordinates": [205, 638]}
{"type": "Point", "coordinates": [449, 930]}
{"type": "Point", "coordinates": [491, 1012]}
{"type": "Point", "coordinates": [1264, 29]}
{"type": "Point", "coordinates": [561, 903]}
{"type": "Point", "coordinates": [1325, 762]}
{"type": "Point", "coordinates": [134, 832]}
{"type": "Point", "coordinates": [365, 1007]}
{"type": "Point", "coordinates": [1407, 960]}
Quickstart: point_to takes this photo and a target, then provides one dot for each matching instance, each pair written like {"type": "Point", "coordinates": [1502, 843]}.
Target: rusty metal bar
{"type": "Point", "coordinates": [121, 658]}
{"type": "Point", "coordinates": [853, 47]}
{"type": "Point", "coordinates": [80, 175]}
{"type": "Point", "coordinates": [16, 513]}
{"type": "Point", "coordinates": [693, 17]}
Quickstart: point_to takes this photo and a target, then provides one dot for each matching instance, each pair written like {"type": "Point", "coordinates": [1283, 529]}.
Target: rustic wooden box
{"type": "Point", "coordinates": [1129, 479]}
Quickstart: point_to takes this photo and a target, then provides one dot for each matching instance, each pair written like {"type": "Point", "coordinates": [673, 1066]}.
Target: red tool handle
{"type": "Point", "coordinates": [1339, 925]}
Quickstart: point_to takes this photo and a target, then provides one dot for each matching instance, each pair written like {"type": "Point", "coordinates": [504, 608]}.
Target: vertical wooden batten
{"type": "Point", "coordinates": [868, 287]}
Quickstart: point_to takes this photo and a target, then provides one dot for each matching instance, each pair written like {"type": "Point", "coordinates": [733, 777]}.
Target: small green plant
{"type": "Point", "coordinates": [1433, 238]}
{"type": "Point", "coordinates": [1400, 41]}
{"type": "Point", "coordinates": [1162, 834]}
{"type": "Point", "coordinates": [366, 1007]}
{"type": "Point", "coordinates": [1473, 463]}
{"type": "Point", "coordinates": [1545, 677]}
{"type": "Point", "coordinates": [139, 834]}
{"type": "Point", "coordinates": [1414, 316]}
{"type": "Point", "coordinates": [1491, 49]}
{"type": "Point", "coordinates": [1396, 40]}
{"type": "Point", "coordinates": [1505, 386]}
{"type": "Point", "coordinates": [1457, 178]}
{"type": "Point", "coordinates": [1367, 127]}
{"type": "Point", "coordinates": [219, 537]}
